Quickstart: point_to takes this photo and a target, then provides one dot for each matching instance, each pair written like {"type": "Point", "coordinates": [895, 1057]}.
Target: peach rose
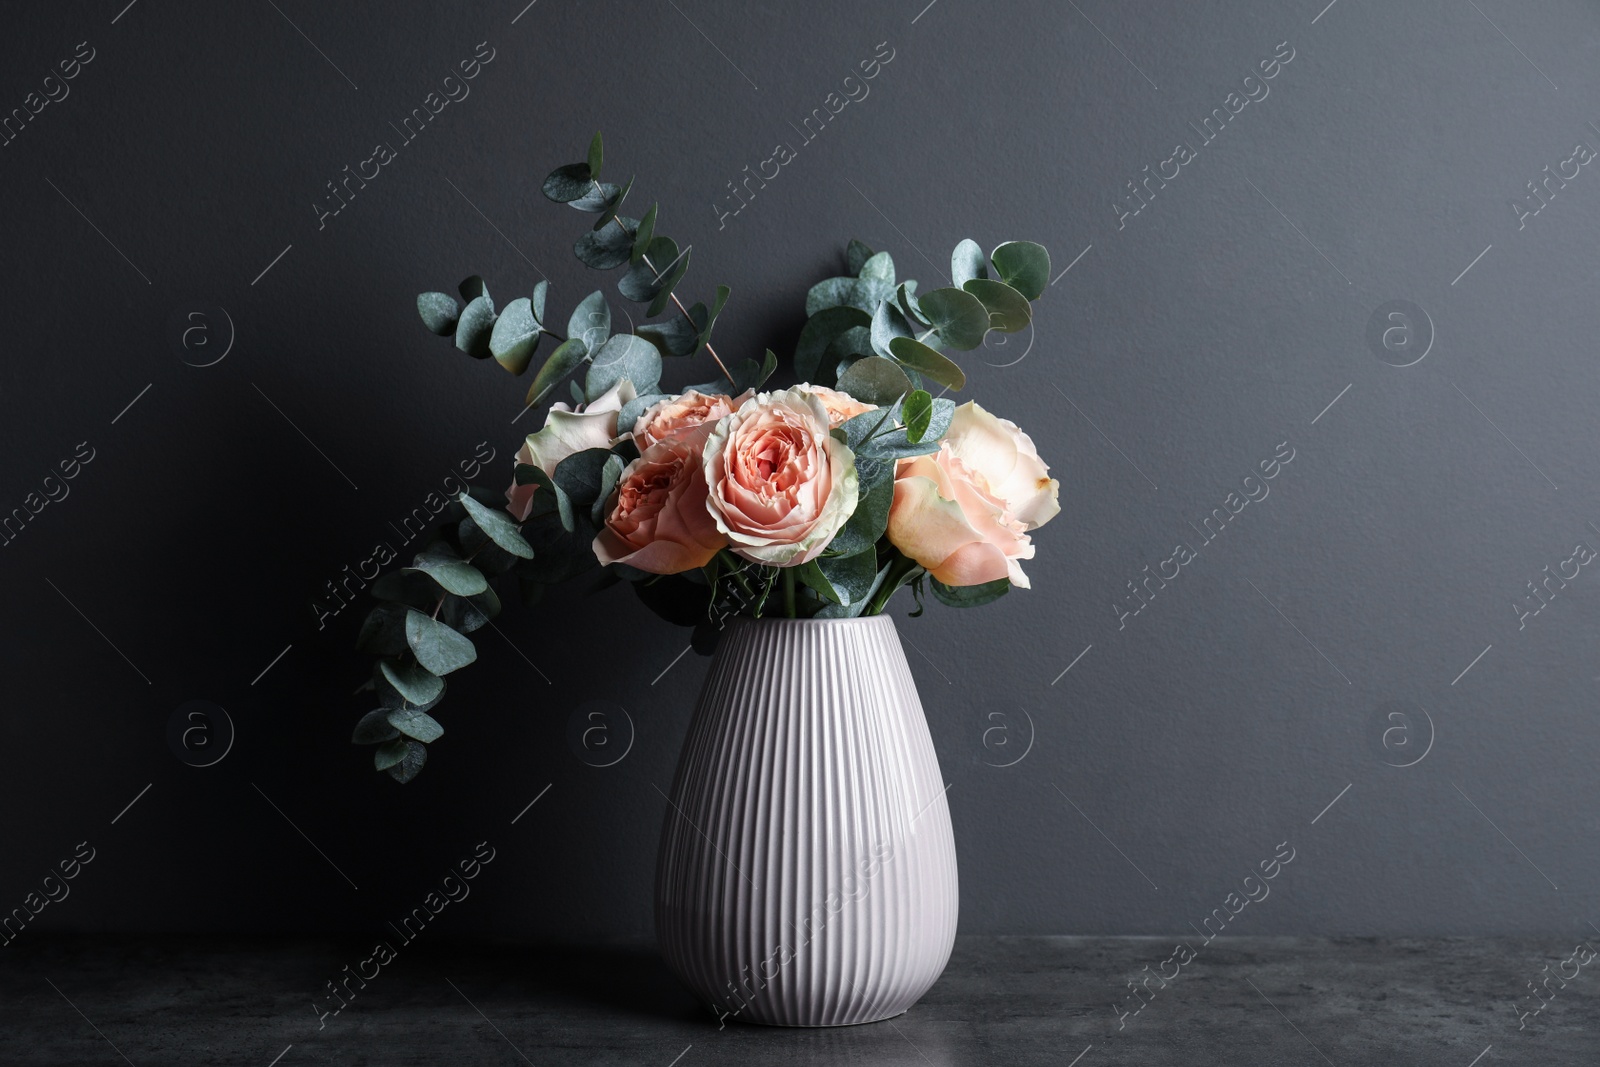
{"type": "Point", "coordinates": [592, 425]}
{"type": "Point", "coordinates": [779, 486]}
{"type": "Point", "coordinates": [657, 519]}
{"type": "Point", "coordinates": [964, 512]}
{"type": "Point", "coordinates": [680, 413]}
{"type": "Point", "coordinates": [842, 407]}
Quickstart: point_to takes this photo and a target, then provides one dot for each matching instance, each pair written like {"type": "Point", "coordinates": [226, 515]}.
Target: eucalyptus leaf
{"type": "Point", "coordinates": [498, 525]}
{"type": "Point", "coordinates": [568, 183]}
{"type": "Point", "coordinates": [474, 328]}
{"type": "Point", "coordinates": [887, 324]}
{"type": "Point", "coordinates": [875, 281]}
{"type": "Point", "coordinates": [383, 631]}
{"type": "Point", "coordinates": [412, 589]}
{"type": "Point", "coordinates": [412, 681]}
{"type": "Point", "coordinates": [389, 755]}
{"type": "Point", "coordinates": [624, 356]}
{"type": "Point", "coordinates": [811, 575]}
{"type": "Point", "coordinates": [416, 724]}
{"type": "Point", "coordinates": [374, 729]}
{"type": "Point", "coordinates": [634, 408]}
{"type": "Point", "coordinates": [540, 291]}
{"type": "Point", "coordinates": [613, 206]}
{"type": "Point", "coordinates": [924, 360]}
{"type": "Point", "coordinates": [851, 576]}
{"type": "Point", "coordinates": [677, 336]}
{"type": "Point", "coordinates": [1023, 265]}
{"type": "Point", "coordinates": [870, 519]}
{"type": "Point", "coordinates": [467, 614]}
{"type": "Point", "coordinates": [675, 276]}
{"type": "Point", "coordinates": [831, 293]}
{"type": "Point", "coordinates": [453, 575]}
{"type": "Point", "coordinates": [967, 262]}
{"type": "Point", "coordinates": [591, 321]}
{"type": "Point", "coordinates": [1009, 311]}
{"type": "Point", "coordinates": [411, 762]}
{"type": "Point", "coordinates": [439, 312]}
{"type": "Point", "coordinates": [568, 356]}
{"type": "Point", "coordinates": [960, 317]}
{"type": "Point", "coordinates": [917, 413]}
{"type": "Point", "coordinates": [647, 274]}
{"type": "Point", "coordinates": [515, 336]}
{"type": "Point", "coordinates": [472, 287]}
{"type": "Point", "coordinates": [970, 596]}
{"type": "Point", "coordinates": [905, 298]}
{"type": "Point", "coordinates": [608, 482]}
{"type": "Point", "coordinates": [643, 235]}
{"type": "Point", "coordinates": [389, 697]}
{"type": "Point", "coordinates": [598, 198]}
{"type": "Point", "coordinates": [549, 497]}
{"type": "Point", "coordinates": [819, 332]}
{"type": "Point", "coordinates": [856, 255]}
{"type": "Point", "coordinates": [604, 249]}
{"type": "Point", "coordinates": [437, 647]}
{"type": "Point", "coordinates": [581, 474]}
{"type": "Point", "coordinates": [876, 380]}
{"type": "Point", "coordinates": [711, 316]}
{"type": "Point", "coordinates": [595, 155]}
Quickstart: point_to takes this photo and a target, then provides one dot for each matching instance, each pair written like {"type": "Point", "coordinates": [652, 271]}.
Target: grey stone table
{"type": "Point", "coordinates": [88, 999]}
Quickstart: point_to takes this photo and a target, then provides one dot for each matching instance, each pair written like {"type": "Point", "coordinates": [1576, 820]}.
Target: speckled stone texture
{"type": "Point", "coordinates": [1008, 1001]}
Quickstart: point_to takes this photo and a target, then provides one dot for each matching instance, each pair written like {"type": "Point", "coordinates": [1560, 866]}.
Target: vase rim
{"type": "Point", "coordinates": [861, 620]}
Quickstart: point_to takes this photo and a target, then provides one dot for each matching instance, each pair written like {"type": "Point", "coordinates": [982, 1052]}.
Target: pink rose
{"type": "Point", "coordinates": [842, 407]}
{"type": "Point", "coordinates": [657, 519]}
{"type": "Point", "coordinates": [780, 486]}
{"type": "Point", "coordinates": [964, 512]}
{"type": "Point", "coordinates": [592, 425]}
{"type": "Point", "coordinates": [679, 413]}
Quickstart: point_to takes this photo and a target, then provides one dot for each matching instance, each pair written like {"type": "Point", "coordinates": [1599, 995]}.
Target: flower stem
{"type": "Point", "coordinates": [900, 571]}
{"type": "Point", "coordinates": [788, 591]}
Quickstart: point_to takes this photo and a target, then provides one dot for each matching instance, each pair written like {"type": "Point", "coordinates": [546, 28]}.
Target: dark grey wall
{"type": "Point", "coordinates": [1184, 347]}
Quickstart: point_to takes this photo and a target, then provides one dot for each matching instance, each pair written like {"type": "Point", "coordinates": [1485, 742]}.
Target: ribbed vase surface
{"type": "Point", "coordinates": [807, 873]}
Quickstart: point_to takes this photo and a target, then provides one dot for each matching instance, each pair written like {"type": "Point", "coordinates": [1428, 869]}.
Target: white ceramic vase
{"type": "Point", "coordinates": [807, 872]}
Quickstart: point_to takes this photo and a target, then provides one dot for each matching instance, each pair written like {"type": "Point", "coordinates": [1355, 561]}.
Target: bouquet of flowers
{"type": "Point", "coordinates": [724, 498]}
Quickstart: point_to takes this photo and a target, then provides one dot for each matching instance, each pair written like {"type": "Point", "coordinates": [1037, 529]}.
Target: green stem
{"type": "Point", "coordinates": [788, 591]}
{"type": "Point", "coordinates": [923, 339]}
{"type": "Point", "coordinates": [900, 571]}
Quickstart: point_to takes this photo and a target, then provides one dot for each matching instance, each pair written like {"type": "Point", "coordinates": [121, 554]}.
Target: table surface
{"type": "Point", "coordinates": [90, 999]}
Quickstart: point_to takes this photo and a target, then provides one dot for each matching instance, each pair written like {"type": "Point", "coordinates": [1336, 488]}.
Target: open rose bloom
{"type": "Point", "coordinates": [658, 520]}
{"type": "Point", "coordinates": [779, 485]}
{"type": "Point", "coordinates": [964, 512]}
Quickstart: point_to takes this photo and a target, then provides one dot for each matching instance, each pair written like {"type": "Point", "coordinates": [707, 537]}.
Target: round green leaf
{"type": "Point", "coordinates": [416, 724]}
{"type": "Point", "coordinates": [453, 575]}
{"type": "Point", "coordinates": [643, 235]}
{"type": "Point", "coordinates": [1023, 265]}
{"type": "Point", "coordinates": [1009, 311]}
{"type": "Point", "coordinates": [568, 183]}
{"type": "Point", "coordinates": [967, 262]}
{"type": "Point", "coordinates": [887, 324]}
{"type": "Point", "coordinates": [916, 413]}
{"type": "Point", "coordinates": [439, 312]}
{"type": "Point", "coordinates": [599, 197]}
{"type": "Point", "coordinates": [515, 336]}
{"type": "Point", "coordinates": [971, 596]}
{"type": "Point", "coordinates": [498, 525]}
{"type": "Point", "coordinates": [374, 729]}
{"type": "Point", "coordinates": [410, 762]}
{"type": "Point", "coordinates": [438, 648]}
{"type": "Point", "coordinates": [876, 380]}
{"type": "Point", "coordinates": [613, 206]}
{"type": "Point", "coordinates": [606, 248]}
{"type": "Point", "coordinates": [596, 155]}
{"type": "Point", "coordinates": [959, 317]}
{"type": "Point", "coordinates": [473, 287]}
{"type": "Point", "coordinates": [924, 360]}
{"type": "Point", "coordinates": [568, 355]}
{"type": "Point", "coordinates": [473, 330]}
{"type": "Point", "coordinates": [856, 255]}
{"type": "Point", "coordinates": [415, 683]}
{"type": "Point", "coordinates": [591, 321]}
{"type": "Point", "coordinates": [819, 332]}
{"type": "Point", "coordinates": [624, 356]}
